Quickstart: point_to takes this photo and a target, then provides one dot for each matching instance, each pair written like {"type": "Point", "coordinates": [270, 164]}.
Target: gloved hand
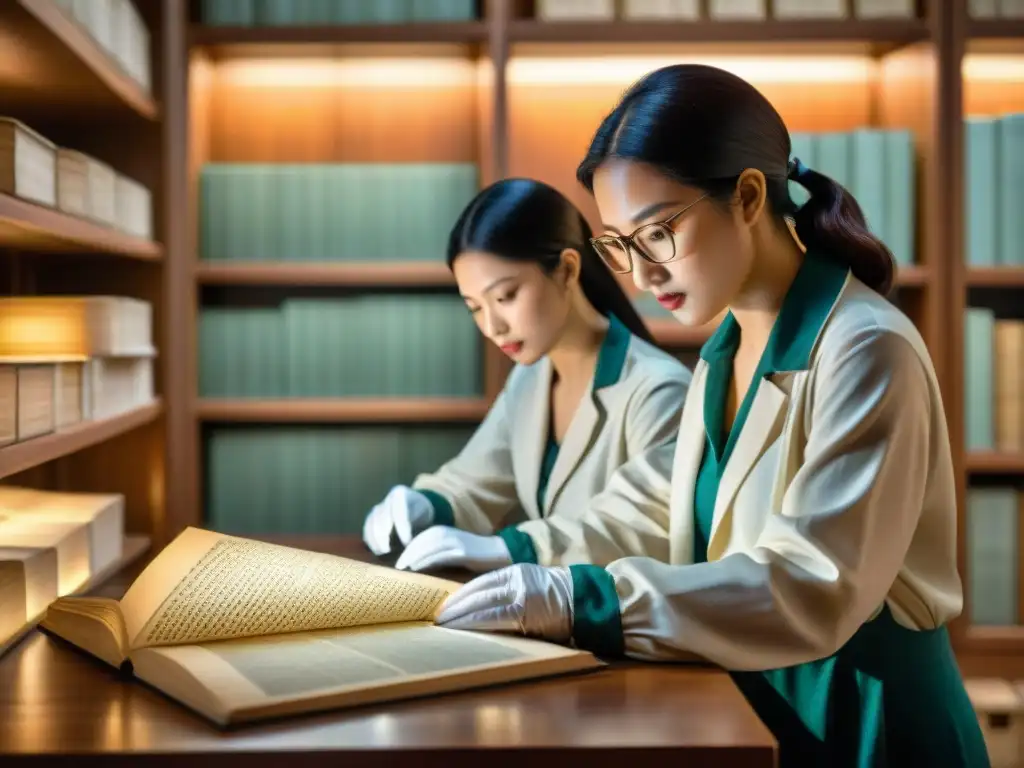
{"type": "Point", "coordinates": [444, 547]}
{"type": "Point", "coordinates": [403, 511]}
{"type": "Point", "coordinates": [530, 599]}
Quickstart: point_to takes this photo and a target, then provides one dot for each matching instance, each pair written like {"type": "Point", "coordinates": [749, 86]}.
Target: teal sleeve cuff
{"type": "Point", "coordinates": [443, 513]}
{"type": "Point", "coordinates": [597, 624]}
{"type": "Point", "coordinates": [519, 544]}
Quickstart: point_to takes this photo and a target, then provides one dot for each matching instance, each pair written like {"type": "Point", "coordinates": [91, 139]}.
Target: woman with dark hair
{"type": "Point", "coordinates": [813, 504]}
{"type": "Point", "coordinates": [590, 393]}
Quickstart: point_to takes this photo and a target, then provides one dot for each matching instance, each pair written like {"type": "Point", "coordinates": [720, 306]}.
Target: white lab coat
{"type": "Point", "coordinates": [631, 411]}
{"type": "Point", "coordinates": [839, 497]}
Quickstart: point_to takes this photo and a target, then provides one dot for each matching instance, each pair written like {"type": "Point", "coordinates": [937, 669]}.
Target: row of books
{"type": "Point", "coordinates": [52, 545]}
{"type": "Point", "coordinates": [279, 13]}
{"type": "Point", "coordinates": [33, 168]}
{"type": "Point", "coordinates": [66, 360]}
{"type": "Point", "coordinates": [271, 480]}
{"type": "Point", "coordinates": [320, 12]}
{"type": "Point", "coordinates": [991, 9]}
{"type": "Point", "coordinates": [331, 212]}
{"type": "Point", "coordinates": [993, 381]}
{"type": "Point", "coordinates": [993, 560]}
{"type": "Point", "coordinates": [369, 345]}
{"type": "Point", "coordinates": [119, 29]}
{"type": "Point", "coordinates": [404, 211]}
{"type": "Point", "coordinates": [878, 167]}
{"type": "Point", "coordinates": [993, 189]}
{"type": "Point", "coordinates": [720, 10]}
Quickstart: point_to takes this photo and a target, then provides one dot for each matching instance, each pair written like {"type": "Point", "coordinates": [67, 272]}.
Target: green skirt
{"type": "Point", "coordinates": [891, 697]}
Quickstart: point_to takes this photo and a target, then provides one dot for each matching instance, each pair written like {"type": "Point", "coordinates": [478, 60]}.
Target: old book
{"type": "Point", "coordinates": [241, 630]}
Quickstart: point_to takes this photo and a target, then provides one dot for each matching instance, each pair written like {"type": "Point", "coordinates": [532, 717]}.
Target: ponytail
{"type": "Point", "coordinates": [831, 222]}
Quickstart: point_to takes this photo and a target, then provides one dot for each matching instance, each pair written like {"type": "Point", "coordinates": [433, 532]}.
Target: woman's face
{"type": "Point", "coordinates": [713, 244]}
{"type": "Point", "coordinates": [515, 304]}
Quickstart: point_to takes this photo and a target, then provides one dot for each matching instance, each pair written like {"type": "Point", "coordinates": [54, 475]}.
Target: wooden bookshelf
{"type": "Point", "coordinates": [913, 276]}
{"type": "Point", "coordinates": [995, 463]}
{"type": "Point", "coordinates": [27, 226]}
{"type": "Point", "coordinates": [49, 62]}
{"type": "Point", "coordinates": [62, 82]}
{"type": "Point", "coordinates": [982, 649]}
{"type": "Point", "coordinates": [40, 450]}
{"type": "Point", "coordinates": [1009, 30]}
{"type": "Point", "coordinates": [427, 273]}
{"type": "Point", "coordinates": [351, 410]}
{"type": "Point", "coordinates": [994, 277]}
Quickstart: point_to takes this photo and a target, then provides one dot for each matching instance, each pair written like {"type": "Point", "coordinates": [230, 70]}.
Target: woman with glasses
{"type": "Point", "coordinates": [589, 393]}
{"type": "Point", "coordinates": [812, 509]}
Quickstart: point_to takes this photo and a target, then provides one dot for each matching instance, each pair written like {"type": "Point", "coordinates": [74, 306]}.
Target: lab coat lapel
{"type": "Point", "coordinates": [689, 452]}
{"type": "Point", "coordinates": [764, 424]}
{"type": "Point", "coordinates": [531, 434]}
{"type": "Point", "coordinates": [592, 411]}
{"type": "Point", "coordinates": [583, 430]}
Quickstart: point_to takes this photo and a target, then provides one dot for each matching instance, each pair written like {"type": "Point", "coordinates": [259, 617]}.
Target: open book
{"type": "Point", "coordinates": [241, 630]}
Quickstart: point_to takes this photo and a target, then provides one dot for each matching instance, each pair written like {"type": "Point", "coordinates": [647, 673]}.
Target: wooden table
{"type": "Point", "coordinates": [60, 707]}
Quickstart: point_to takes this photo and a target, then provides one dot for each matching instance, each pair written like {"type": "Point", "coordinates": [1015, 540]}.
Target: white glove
{"type": "Point", "coordinates": [445, 547]}
{"type": "Point", "coordinates": [404, 512]}
{"type": "Point", "coordinates": [530, 599]}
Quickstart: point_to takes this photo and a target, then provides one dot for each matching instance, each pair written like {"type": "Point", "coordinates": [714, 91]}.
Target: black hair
{"type": "Point", "coordinates": [703, 126]}
{"type": "Point", "coordinates": [526, 220]}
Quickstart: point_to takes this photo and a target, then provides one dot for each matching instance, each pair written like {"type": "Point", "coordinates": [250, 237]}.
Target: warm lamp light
{"type": "Point", "coordinates": [419, 72]}
{"type": "Point", "coordinates": [993, 67]}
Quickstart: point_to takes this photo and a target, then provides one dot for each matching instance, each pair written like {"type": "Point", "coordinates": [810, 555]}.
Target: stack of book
{"type": "Point", "coordinates": [52, 545]}
{"type": "Point", "coordinates": [720, 10]}
{"type": "Point", "coordinates": [119, 29]}
{"type": "Point", "coordinates": [331, 211]}
{"type": "Point", "coordinates": [993, 514]}
{"type": "Point", "coordinates": [994, 177]}
{"type": "Point", "coordinates": [68, 359]}
{"type": "Point", "coordinates": [35, 169]}
{"type": "Point", "coordinates": [993, 381]}
{"type": "Point", "coordinates": [280, 13]}
{"type": "Point", "coordinates": [421, 345]}
{"type": "Point", "coordinates": [991, 9]}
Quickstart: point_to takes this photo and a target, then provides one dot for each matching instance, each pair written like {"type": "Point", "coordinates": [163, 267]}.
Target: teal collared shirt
{"type": "Point", "coordinates": [803, 313]}
{"type": "Point", "coordinates": [807, 305]}
{"type": "Point", "coordinates": [611, 358]}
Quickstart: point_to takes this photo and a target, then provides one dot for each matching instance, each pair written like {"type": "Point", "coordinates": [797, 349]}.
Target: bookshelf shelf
{"type": "Point", "coordinates": [995, 277]}
{"type": "Point", "coordinates": [995, 463]}
{"type": "Point", "coordinates": [28, 226]}
{"type": "Point", "coordinates": [915, 276]}
{"type": "Point", "coordinates": [880, 34]}
{"type": "Point", "coordinates": [227, 41]}
{"type": "Point", "coordinates": [1009, 30]}
{"type": "Point", "coordinates": [996, 639]}
{"type": "Point", "coordinates": [31, 453]}
{"type": "Point", "coordinates": [354, 410]}
{"type": "Point", "coordinates": [335, 274]}
{"type": "Point", "coordinates": [51, 62]}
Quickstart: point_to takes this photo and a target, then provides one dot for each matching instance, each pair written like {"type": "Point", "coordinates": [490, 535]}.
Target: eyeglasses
{"type": "Point", "coordinates": [654, 242]}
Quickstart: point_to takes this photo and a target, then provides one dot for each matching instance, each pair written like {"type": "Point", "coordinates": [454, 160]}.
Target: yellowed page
{"type": "Point", "coordinates": [240, 680]}
{"type": "Point", "coordinates": [209, 586]}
